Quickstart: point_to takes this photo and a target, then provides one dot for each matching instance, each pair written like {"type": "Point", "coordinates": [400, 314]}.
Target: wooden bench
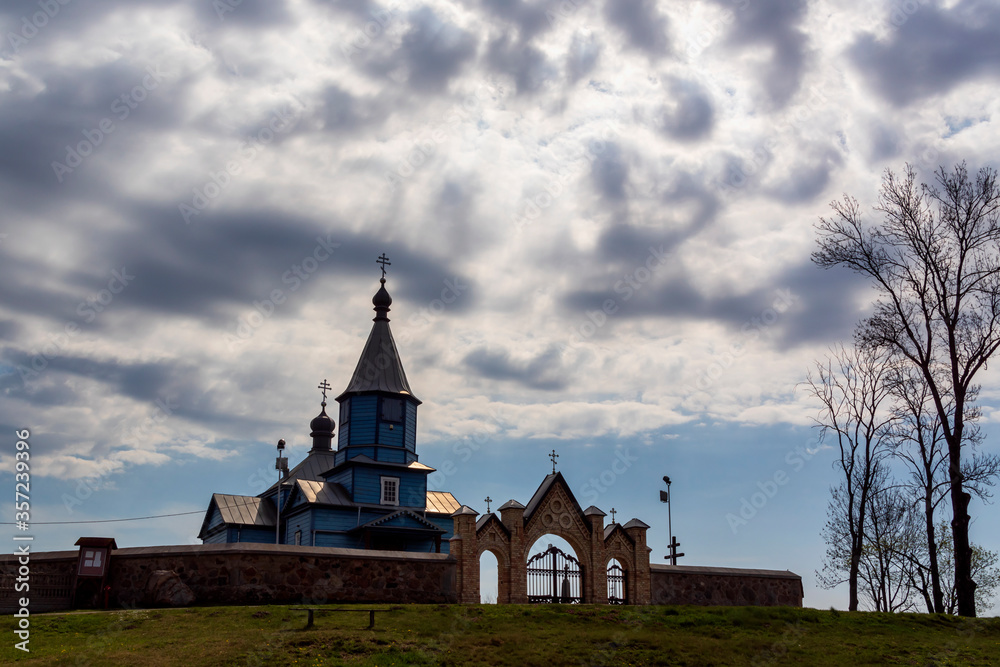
{"type": "Point", "coordinates": [311, 611]}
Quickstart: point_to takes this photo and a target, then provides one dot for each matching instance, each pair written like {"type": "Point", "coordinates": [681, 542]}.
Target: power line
{"type": "Point", "coordinates": [134, 518]}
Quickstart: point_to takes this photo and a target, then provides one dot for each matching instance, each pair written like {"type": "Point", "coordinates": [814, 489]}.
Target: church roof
{"type": "Point", "coordinates": [441, 502]}
{"type": "Point", "coordinates": [244, 510]}
{"type": "Point", "coordinates": [367, 460]}
{"type": "Point", "coordinates": [324, 493]}
{"type": "Point", "coordinates": [312, 467]}
{"type": "Point", "coordinates": [379, 368]}
{"type": "Point", "coordinates": [329, 493]}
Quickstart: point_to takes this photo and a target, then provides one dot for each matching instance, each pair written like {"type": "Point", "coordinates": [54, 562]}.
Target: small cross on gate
{"type": "Point", "coordinates": [384, 261]}
{"type": "Point", "coordinates": [324, 385]}
{"type": "Point", "coordinates": [488, 500]}
{"type": "Point", "coordinates": [553, 456]}
{"type": "Point", "coordinates": [613, 515]}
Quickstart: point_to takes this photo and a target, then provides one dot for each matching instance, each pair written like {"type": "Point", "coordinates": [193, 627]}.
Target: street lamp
{"type": "Point", "coordinates": [281, 465]}
{"type": "Point", "coordinates": [665, 498]}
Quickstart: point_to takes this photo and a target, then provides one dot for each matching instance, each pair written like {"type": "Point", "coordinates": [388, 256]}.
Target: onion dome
{"type": "Point", "coordinates": [381, 301]}
{"type": "Point", "coordinates": [322, 431]}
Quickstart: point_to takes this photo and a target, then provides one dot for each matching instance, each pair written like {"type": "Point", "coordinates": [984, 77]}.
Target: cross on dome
{"type": "Point", "coordinates": [384, 261]}
{"type": "Point", "coordinates": [325, 386]}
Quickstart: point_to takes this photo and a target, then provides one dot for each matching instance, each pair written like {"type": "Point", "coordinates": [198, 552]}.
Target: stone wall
{"type": "Point", "coordinates": [685, 584]}
{"type": "Point", "coordinates": [244, 573]}
{"type": "Point", "coordinates": [50, 583]}
{"type": "Point", "coordinates": [262, 573]}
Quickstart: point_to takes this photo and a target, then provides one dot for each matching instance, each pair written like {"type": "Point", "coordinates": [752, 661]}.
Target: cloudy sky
{"type": "Point", "coordinates": [599, 215]}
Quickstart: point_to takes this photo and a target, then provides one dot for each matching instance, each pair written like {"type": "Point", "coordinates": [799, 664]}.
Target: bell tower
{"type": "Point", "coordinates": [378, 411]}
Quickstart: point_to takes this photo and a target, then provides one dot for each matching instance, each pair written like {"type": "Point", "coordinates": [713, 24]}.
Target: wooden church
{"type": "Point", "coordinates": [369, 493]}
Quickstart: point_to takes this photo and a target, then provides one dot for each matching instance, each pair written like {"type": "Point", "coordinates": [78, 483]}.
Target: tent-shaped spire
{"type": "Point", "coordinates": [379, 368]}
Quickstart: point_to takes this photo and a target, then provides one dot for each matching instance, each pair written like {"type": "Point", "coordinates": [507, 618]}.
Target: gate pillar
{"type": "Point", "coordinates": [464, 547]}
{"type": "Point", "coordinates": [640, 581]}
{"type": "Point", "coordinates": [596, 576]}
{"type": "Point", "coordinates": [512, 517]}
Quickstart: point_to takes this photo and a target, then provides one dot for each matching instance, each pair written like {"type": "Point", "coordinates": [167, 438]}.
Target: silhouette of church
{"type": "Point", "coordinates": [369, 493]}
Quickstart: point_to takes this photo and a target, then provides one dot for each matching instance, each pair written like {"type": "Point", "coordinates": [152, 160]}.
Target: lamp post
{"type": "Point", "coordinates": [281, 465]}
{"type": "Point", "coordinates": [665, 498]}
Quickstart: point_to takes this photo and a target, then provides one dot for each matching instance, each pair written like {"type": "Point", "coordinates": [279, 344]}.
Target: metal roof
{"type": "Point", "coordinates": [323, 493]}
{"type": "Point", "coordinates": [244, 510]}
{"type": "Point", "coordinates": [441, 502]}
{"type": "Point", "coordinates": [328, 493]}
{"type": "Point", "coordinates": [379, 368]}
{"type": "Point", "coordinates": [367, 460]}
{"type": "Point", "coordinates": [312, 467]}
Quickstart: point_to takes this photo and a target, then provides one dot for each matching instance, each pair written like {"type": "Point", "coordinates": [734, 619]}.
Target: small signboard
{"type": "Point", "coordinates": [93, 561]}
{"type": "Point", "coordinates": [90, 587]}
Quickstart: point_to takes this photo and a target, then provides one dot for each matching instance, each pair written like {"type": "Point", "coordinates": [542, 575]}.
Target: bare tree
{"type": "Point", "coordinates": [888, 568]}
{"type": "Point", "coordinates": [854, 397]}
{"type": "Point", "coordinates": [919, 444]}
{"type": "Point", "coordinates": [984, 569]}
{"type": "Point", "coordinates": [935, 261]}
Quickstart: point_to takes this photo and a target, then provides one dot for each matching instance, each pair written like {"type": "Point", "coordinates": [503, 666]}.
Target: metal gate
{"type": "Point", "coordinates": [554, 576]}
{"type": "Point", "coordinates": [617, 586]}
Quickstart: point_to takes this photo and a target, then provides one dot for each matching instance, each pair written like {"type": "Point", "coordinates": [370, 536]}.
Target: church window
{"type": "Point", "coordinates": [298, 537]}
{"type": "Point", "coordinates": [345, 412]}
{"type": "Point", "coordinates": [390, 490]}
{"type": "Point", "coordinates": [392, 410]}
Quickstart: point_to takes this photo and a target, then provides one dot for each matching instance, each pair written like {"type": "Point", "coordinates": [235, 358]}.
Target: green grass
{"type": "Point", "coordinates": [506, 635]}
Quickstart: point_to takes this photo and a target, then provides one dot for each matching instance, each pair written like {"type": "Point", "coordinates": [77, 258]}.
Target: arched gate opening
{"type": "Point", "coordinates": [554, 577]}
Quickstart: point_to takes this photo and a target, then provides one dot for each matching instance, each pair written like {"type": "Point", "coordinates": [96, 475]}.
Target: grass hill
{"type": "Point", "coordinates": [505, 635]}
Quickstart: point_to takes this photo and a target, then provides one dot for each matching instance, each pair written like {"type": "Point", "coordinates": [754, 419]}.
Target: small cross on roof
{"type": "Point", "coordinates": [325, 386]}
{"type": "Point", "coordinates": [384, 261]}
